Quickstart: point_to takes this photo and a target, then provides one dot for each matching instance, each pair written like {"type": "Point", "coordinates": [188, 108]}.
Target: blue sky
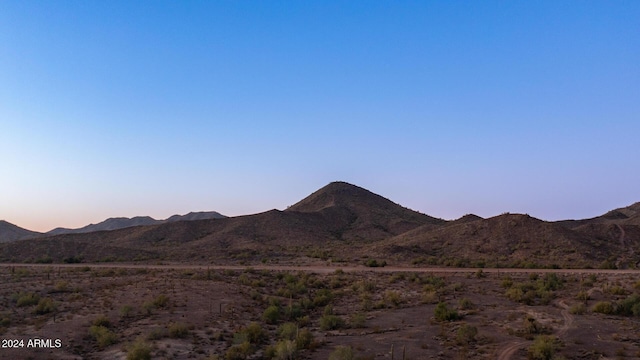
{"type": "Point", "coordinates": [119, 108]}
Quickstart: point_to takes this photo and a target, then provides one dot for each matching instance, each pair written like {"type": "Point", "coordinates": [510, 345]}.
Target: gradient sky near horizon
{"type": "Point", "coordinates": [125, 108]}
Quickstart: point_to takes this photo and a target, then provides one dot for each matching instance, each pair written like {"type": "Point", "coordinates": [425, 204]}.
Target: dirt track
{"type": "Point", "coordinates": [329, 269]}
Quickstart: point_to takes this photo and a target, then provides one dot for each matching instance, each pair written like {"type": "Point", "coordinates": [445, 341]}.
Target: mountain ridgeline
{"type": "Point", "coordinates": [123, 222]}
{"type": "Point", "coordinates": [345, 223]}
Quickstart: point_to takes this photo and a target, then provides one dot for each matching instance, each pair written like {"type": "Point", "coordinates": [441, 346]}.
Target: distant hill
{"type": "Point", "coordinates": [123, 222]}
{"type": "Point", "coordinates": [10, 232]}
{"type": "Point", "coordinates": [202, 215]}
{"type": "Point", "coordinates": [109, 224]}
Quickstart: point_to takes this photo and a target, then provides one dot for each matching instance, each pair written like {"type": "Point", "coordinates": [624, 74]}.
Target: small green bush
{"type": "Point", "coordinates": [392, 298]}
{"type": "Point", "coordinates": [342, 353]}
{"type": "Point", "coordinates": [466, 334]}
{"type": "Point", "coordinates": [101, 320]}
{"type": "Point", "coordinates": [358, 320]}
{"type": "Point", "coordinates": [288, 331]}
{"type": "Point", "coordinates": [103, 336]}
{"type": "Point", "coordinates": [331, 322]}
{"type": "Point", "coordinates": [531, 326]}
{"type": "Point", "coordinates": [239, 352]}
{"type": "Point", "coordinates": [126, 310]}
{"type": "Point", "coordinates": [45, 306]}
{"type": "Point", "coordinates": [254, 333]}
{"type": "Point", "coordinates": [271, 315]}
{"type": "Point", "coordinates": [285, 350]}
{"type": "Point", "coordinates": [178, 330]}
{"type": "Point", "coordinates": [578, 309]}
{"type": "Point", "coordinates": [304, 340]}
{"type": "Point", "coordinates": [443, 313]}
{"type": "Point", "coordinates": [26, 299]}
{"type": "Point", "coordinates": [375, 263]}
{"type": "Point", "coordinates": [139, 350]}
{"type": "Point", "coordinates": [603, 307]}
{"type": "Point", "coordinates": [465, 304]}
{"type": "Point", "coordinates": [161, 301]}
{"type": "Point", "coordinates": [543, 348]}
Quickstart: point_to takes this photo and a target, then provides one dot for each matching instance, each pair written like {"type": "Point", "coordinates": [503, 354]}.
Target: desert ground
{"type": "Point", "coordinates": [120, 311]}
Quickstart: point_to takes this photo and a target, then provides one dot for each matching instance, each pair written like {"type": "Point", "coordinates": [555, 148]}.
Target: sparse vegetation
{"type": "Point", "coordinates": [443, 313]}
{"type": "Point", "coordinates": [342, 353]}
{"type": "Point", "coordinates": [543, 348]}
{"type": "Point", "coordinates": [139, 350]}
{"type": "Point", "coordinates": [103, 336]}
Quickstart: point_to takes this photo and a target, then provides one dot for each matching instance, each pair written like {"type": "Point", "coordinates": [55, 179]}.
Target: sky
{"type": "Point", "coordinates": [121, 108]}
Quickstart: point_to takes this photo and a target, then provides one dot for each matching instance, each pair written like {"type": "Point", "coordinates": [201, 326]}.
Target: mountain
{"type": "Point", "coordinates": [10, 232]}
{"type": "Point", "coordinates": [202, 215]}
{"type": "Point", "coordinates": [629, 215]}
{"type": "Point", "coordinates": [358, 214]}
{"type": "Point", "coordinates": [508, 240]}
{"type": "Point", "coordinates": [109, 224]}
{"type": "Point", "coordinates": [344, 222]}
{"type": "Point", "coordinates": [338, 216]}
{"type": "Point", "coordinates": [123, 222]}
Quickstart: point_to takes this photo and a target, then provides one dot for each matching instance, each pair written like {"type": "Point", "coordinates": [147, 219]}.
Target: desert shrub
{"type": "Point", "coordinates": [72, 260]}
{"type": "Point", "coordinates": [157, 333]}
{"type": "Point", "coordinates": [395, 277]}
{"type": "Point", "coordinates": [443, 313]}
{"type": "Point", "coordinates": [392, 298]}
{"type": "Point", "coordinates": [26, 299]}
{"type": "Point", "coordinates": [61, 286]}
{"type": "Point", "coordinates": [126, 310]}
{"type": "Point", "coordinates": [293, 311]}
{"type": "Point", "coordinates": [629, 306]}
{"type": "Point", "coordinates": [331, 322]}
{"type": "Point", "coordinates": [543, 348]}
{"type": "Point", "coordinates": [466, 334]}
{"type": "Point", "coordinates": [582, 296]}
{"type": "Point", "coordinates": [578, 309]}
{"type": "Point", "coordinates": [616, 290]}
{"type": "Point", "coordinates": [254, 333]}
{"type": "Point", "coordinates": [322, 297]}
{"type": "Point", "coordinates": [287, 331]}
{"type": "Point", "coordinates": [161, 301]}
{"type": "Point", "coordinates": [45, 305]}
{"type": "Point", "coordinates": [368, 286]}
{"type": "Point", "coordinates": [304, 340]}
{"type": "Point", "coordinates": [239, 351]}
{"type": "Point", "coordinates": [271, 315]}
{"type": "Point", "coordinates": [101, 320]}
{"type": "Point", "coordinates": [506, 282]}
{"type": "Point", "coordinates": [139, 350]}
{"type": "Point", "coordinates": [103, 336]}
{"type": "Point", "coordinates": [531, 326]}
{"type": "Point", "coordinates": [357, 320]}
{"type": "Point", "coordinates": [430, 297]}
{"type": "Point", "coordinates": [465, 304]}
{"type": "Point", "coordinates": [178, 330]}
{"type": "Point", "coordinates": [342, 353]}
{"type": "Point", "coordinates": [148, 306]}
{"type": "Point", "coordinates": [44, 260]}
{"type": "Point", "coordinates": [375, 263]}
{"type": "Point", "coordinates": [285, 350]}
{"type": "Point", "coordinates": [603, 307]}
{"type": "Point", "coordinates": [551, 282]}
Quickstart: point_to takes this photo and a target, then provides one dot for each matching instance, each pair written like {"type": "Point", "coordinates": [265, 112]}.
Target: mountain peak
{"type": "Point", "coordinates": [337, 193]}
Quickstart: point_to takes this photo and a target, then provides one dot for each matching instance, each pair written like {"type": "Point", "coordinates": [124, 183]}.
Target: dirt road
{"type": "Point", "coordinates": [324, 269]}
